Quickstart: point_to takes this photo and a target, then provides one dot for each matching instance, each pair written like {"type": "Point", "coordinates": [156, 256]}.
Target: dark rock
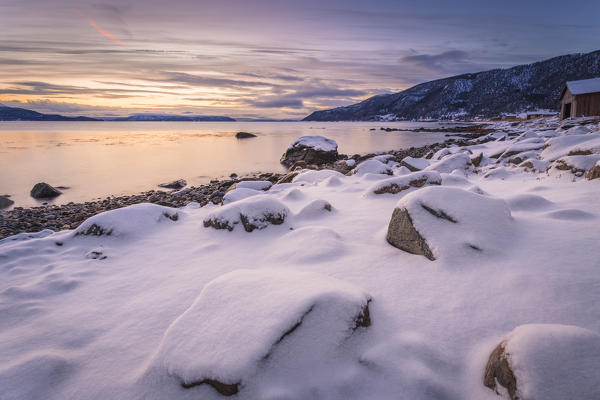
{"type": "Point", "coordinates": [498, 370]}
{"type": "Point", "coordinates": [403, 234]}
{"type": "Point", "coordinates": [310, 154]}
{"type": "Point", "coordinates": [593, 173]}
{"type": "Point", "coordinates": [226, 389]}
{"type": "Point", "coordinates": [178, 184]}
{"type": "Point", "coordinates": [244, 135]}
{"type": "Point", "coordinates": [476, 161]}
{"type": "Point", "coordinates": [44, 191]}
{"type": "Point", "coordinates": [288, 178]}
{"type": "Point", "coordinates": [5, 202]}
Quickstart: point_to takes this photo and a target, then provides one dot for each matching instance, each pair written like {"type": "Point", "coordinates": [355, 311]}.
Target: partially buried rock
{"type": "Point", "coordinates": [252, 213]}
{"type": "Point", "coordinates": [244, 135]}
{"type": "Point", "coordinates": [449, 222]}
{"type": "Point", "coordinates": [594, 172]}
{"type": "Point", "coordinates": [178, 184]}
{"type": "Point", "coordinates": [316, 150]}
{"type": "Point", "coordinates": [546, 362]}
{"type": "Point", "coordinates": [244, 317]}
{"type": "Point", "coordinates": [44, 191]}
{"type": "Point", "coordinates": [5, 202]}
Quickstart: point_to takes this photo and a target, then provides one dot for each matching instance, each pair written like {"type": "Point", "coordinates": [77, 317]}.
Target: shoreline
{"type": "Point", "coordinates": [71, 215]}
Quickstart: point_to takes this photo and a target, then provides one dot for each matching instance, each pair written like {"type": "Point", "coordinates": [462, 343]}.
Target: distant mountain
{"type": "Point", "coordinates": [22, 114]}
{"type": "Point", "coordinates": [168, 117]}
{"type": "Point", "coordinates": [484, 94]}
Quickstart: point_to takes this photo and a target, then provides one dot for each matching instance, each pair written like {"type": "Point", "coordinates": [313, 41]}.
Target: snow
{"type": "Point", "coordinates": [256, 212]}
{"type": "Point", "coordinates": [244, 316]}
{"type": "Point", "coordinates": [256, 185]}
{"type": "Point", "coordinates": [449, 163]}
{"type": "Point", "coordinates": [164, 300]}
{"type": "Point", "coordinates": [416, 163]}
{"type": "Point", "coordinates": [545, 356]}
{"type": "Point", "coordinates": [372, 166]}
{"type": "Point", "coordinates": [457, 223]}
{"type": "Point", "coordinates": [315, 142]}
{"type": "Point", "coordinates": [402, 183]}
{"type": "Point", "coordinates": [133, 221]}
{"type": "Point", "coordinates": [584, 86]}
{"type": "Point", "coordinates": [240, 193]}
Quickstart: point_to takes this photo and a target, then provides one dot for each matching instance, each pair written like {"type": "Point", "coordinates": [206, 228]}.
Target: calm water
{"type": "Point", "coordinates": [98, 159]}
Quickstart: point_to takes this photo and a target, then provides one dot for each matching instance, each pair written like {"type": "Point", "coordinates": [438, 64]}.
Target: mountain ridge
{"type": "Point", "coordinates": [485, 94]}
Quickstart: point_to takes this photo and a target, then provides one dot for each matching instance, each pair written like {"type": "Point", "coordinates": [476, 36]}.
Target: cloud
{"type": "Point", "coordinates": [437, 62]}
{"type": "Point", "coordinates": [277, 102]}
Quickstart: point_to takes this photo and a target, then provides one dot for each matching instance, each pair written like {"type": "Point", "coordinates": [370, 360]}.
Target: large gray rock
{"type": "Point", "coordinates": [403, 235]}
{"type": "Point", "coordinates": [316, 150]}
{"type": "Point", "coordinates": [44, 191]}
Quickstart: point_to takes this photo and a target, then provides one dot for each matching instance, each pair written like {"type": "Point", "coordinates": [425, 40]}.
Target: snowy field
{"type": "Point", "coordinates": [296, 292]}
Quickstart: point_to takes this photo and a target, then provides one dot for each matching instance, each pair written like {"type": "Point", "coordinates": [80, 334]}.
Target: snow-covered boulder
{"type": "Point", "coordinates": [372, 166]}
{"type": "Point", "coordinates": [404, 182]}
{"type": "Point", "coordinates": [571, 145]}
{"type": "Point", "coordinates": [414, 164]}
{"type": "Point", "coordinates": [129, 221]}
{"type": "Point", "coordinates": [315, 209]}
{"type": "Point", "coordinates": [546, 361]}
{"type": "Point", "coordinates": [449, 222]}
{"type": "Point", "coordinates": [256, 212]}
{"type": "Point", "coordinates": [245, 316]}
{"type": "Point", "coordinates": [240, 194]}
{"type": "Point", "coordinates": [314, 177]}
{"type": "Point", "coordinates": [594, 172]}
{"type": "Point", "coordinates": [311, 149]}
{"type": "Point", "coordinates": [256, 185]}
{"type": "Point", "coordinates": [460, 161]}
{"type": "Point", "coordinates": [577, 164]}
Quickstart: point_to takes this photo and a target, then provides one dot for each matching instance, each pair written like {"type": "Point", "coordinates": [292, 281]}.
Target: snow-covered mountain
{"type": "Point", "coordinates": [483, 94]}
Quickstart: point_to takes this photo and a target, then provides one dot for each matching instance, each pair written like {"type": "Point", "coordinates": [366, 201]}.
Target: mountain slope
{"type": "Point", "coordinates": [170, 117]}
{"type": "Point", "coordinates": [22, 114]}
{"type": "Point", "coordinates": [483, 94]}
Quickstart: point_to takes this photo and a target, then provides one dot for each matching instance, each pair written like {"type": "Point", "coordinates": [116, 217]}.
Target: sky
{"type": "Point", "coordinates": [264, 58]}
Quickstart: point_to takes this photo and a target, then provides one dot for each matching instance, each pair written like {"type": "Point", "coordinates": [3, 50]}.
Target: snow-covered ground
{"type": "Point", "coordinates": [294, 292]}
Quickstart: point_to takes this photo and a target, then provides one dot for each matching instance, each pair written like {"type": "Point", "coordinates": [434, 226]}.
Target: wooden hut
{"type": "Point", "coordinates": [580, 98]}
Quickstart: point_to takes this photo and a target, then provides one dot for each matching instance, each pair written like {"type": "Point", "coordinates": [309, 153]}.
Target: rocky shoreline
{"type": "Point", "coordinates": [71, 215]}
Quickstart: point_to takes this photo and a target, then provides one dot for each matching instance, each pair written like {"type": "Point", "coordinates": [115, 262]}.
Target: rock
{"type": "Point", "coordinates": [5, 202]}
{"type": "Point", "coordinates": [476, 161]}
{"type": "Point", "coordinates": [404, 182]}
{"type": "Point", "coordinates": [233, 175]}
{"type": "Point", "coordinates": [266, 311]}
{"type": "Point", "coordinates": [301, 164]}
{"type": "Point", "coordinates": [288, 178]}
{"type": "Point", "coordinates": [312, 150]}
{"type": "Point", "coordinates": [178, 184]}
{"type": "Point", "coordinates": [44, 191]}
{"type": "Point", "coordinates": [244, 135]}
{"type": "Point", "coordinates": [255, 212]}
{"type": "Point", "coordinates": [439, 221]}
{"type": "Point", "coordinates": [594, 172]}
{"type": "Point", "coordinates": [373, 166]}
{"type": "Point", "coordinates": [414, 164]}
{"type": "Point", "coordinates": [546, 361]}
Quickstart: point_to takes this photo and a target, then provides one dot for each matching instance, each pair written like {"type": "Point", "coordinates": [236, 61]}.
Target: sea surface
{"type": "Point", "coordinates": [98, 159]}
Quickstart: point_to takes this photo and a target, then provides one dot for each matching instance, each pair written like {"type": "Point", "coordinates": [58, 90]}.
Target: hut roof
{"type": "Point", "coordinates": [584, 86]}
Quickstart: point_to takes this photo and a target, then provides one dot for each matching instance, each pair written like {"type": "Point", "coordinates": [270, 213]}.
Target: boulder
{"type": "Point", "coordinates": [405, 182]}
{"type": "Point", "coordinates": [546, 362]}
{"type": "Point", "coordinates": [312, 150]}
{"type": "Point", "coordinates": [288, 178]}
{"type": "Point", "coordinates": [446, 222]}
{"type": "Point", "coordinates": [414, 164]}
{"type": "Point", "coordinates": [244, 317]}
{"type": "Point", "coordinates": [128, 222]}
{"type": "Point", "coordinates": [44, 191]}
{"type": "Point", "coordinates": [254, 212]}
{"type": "Point", "coordinates": [373, 166]}
{"type": "Point", "coordinates": [178, 184]}
{"type": "Point", "coordinates": [244, 135]}
{"type": "Point", "coordinates": [594, 172]}
{"type": "Point", "coordinates": [5, 202]}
